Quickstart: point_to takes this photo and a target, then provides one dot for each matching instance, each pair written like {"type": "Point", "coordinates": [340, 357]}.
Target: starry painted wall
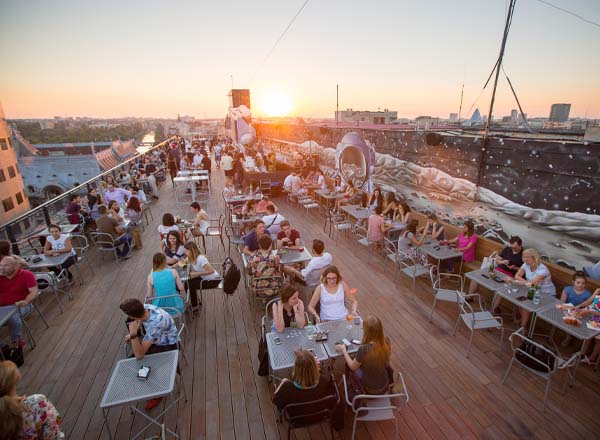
{"type": "Point", "coordinates": [534, 173]}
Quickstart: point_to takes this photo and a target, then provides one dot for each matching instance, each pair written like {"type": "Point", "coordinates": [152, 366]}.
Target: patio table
{"type": "Point", "coordinates": [356, 211]}
{"type": "Point", "coordinates": [282, 356]}
{"type": "Point", "coordinates": [338, 330]}
{"type": "Point", "coordinates": [125, 388]}
{"type": "Point", "coordinates": [440, 252]}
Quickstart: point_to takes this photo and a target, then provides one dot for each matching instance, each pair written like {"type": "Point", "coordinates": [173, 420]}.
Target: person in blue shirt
{"type": "Point", "coordinates": [575, 294]}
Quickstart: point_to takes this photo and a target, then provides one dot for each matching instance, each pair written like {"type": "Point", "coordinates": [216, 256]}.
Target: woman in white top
{"type": "Point", "coordinates": [201, 272]}
{"type": "Point", "coordinates": [201, 220]}
{"type": "Point", "coordinates": [533, 272]}
{"type": "Point", "coordinates": [332, 294]}
{"type": "Point", "coordinates": [57, 244]}
{"type": "Point", "coordinates": [168, 224]}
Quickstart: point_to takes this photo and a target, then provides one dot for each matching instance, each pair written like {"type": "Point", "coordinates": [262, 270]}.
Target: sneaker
{"type": "Point", "coordinates": [152, 403]}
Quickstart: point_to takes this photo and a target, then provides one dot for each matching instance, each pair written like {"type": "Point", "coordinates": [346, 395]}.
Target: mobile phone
{"type": "Point", "coordinates": [277, 340]}
{"type": "Point", "coordinates": [355, 341]}
{"type": "Point", "coordinates": [485, 276]}
{"type": "Point", "coordinates": [346, 342]}
{"type": "Point", "coordinates": [521, 298]}
{"type": "Point", "coordinates": [312, 351]}
{"type": "Point", "coordinates": [143, 372]}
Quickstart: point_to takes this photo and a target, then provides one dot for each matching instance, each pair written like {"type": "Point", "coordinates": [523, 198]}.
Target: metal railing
{"type": "Point", "coordinates": [20, 227]}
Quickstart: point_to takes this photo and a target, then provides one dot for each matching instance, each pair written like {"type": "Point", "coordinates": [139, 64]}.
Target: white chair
{"type": "Point", "coordinates": [377, 407]}
{"type": "Point", "coordinates": [81, 246]}
{"type": "Point", "coordinates": [481, 320]}
{"type": "Point", "coordinates": [444, 293]}
{"type": "Point", "coordinates": [52, 283]}
{"type": "Point", "coordinates": [410, 268]}
{"type": "Point", "coordinates": [105, 243]}
{"type": "Point", "coordinates": [544, 365]}
{"type": "Point", "coordinates": [338, 223]}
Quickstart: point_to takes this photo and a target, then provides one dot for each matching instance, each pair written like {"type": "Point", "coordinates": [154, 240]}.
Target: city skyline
{"type": "Point", "coordinates": [132, 61]}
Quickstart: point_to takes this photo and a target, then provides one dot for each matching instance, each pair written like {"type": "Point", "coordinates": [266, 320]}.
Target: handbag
{"type": "Point", "coordinates": [487, 261]}
{"type": "Point", "coordinates": [263, 358]}
{"type": "Point", "coordinates": [14, 354]}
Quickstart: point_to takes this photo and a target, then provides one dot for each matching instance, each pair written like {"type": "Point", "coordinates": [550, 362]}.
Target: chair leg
{"type": "Point", "coordinates": [353, 428]}
{"type": "Point", "coordinates": [204, 243]}
{"type": "Point", "coordinates": [432, 309]}
{"type": "Point", "coordinates": [456, 325]}
{"type": "Point", "coordinates": [55, 291]}
{"type": "Point", "coordinates": [508, 370]}
{"type": "Point", "coordinates": [546, 392]}
{"type": "Point", "coordinates": [470, 342]}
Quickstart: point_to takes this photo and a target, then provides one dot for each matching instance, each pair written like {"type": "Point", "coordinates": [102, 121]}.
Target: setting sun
{"type": "Point", "coordinates": [275, 104]}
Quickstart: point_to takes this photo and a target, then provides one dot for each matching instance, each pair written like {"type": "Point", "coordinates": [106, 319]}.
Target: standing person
{"type": "Point", "coordinates": [201, 272]}
{"type": "Point", "coordinates": [206, 163]}
{"type": "Point", "coordinates": [31, 417]}
{"type": "Point", "coordinates": [227, 163]}
{"type": "Point", "coordinates": [172, 166]}
{"type": "Point", "coordinates": [218, 149]}
{"type": "Point", "coordinates": [134, 213]}
{"type": "Point", "coordinates": [238, 169]}
{"type": "Point", "coordinates": [58, 243]}
{"type": "Point", "coordinates": [18, 288]}
{"type": "Point", "coordinates": [370, 367]}
{"type": "Point", "coordinates": [332, 294]}
{"type": "Point", "coordinates": [112, 192]}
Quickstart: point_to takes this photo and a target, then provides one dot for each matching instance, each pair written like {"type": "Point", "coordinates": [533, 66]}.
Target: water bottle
{"type": "Point", "coordinates": [536, 296]}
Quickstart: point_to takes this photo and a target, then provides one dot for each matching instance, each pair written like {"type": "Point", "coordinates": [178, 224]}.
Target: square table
{"type": "Point", "coordinates": [338, 330]}
{"type": "Point", "coordinates": [356, 211]}
{"type": "Point", "coordinates": [328, 196]}
{"type": "Point", "coordinates": [192, 181]}
{"type": "Point", "coordinates": [482, 277]}
{"type": "Point", "coordinates": [47, 261]}
{"type": "Point", "coordinates": [553, 316]}
{"type": "Point", "coordinates": [282, 356]}
{"type": "Point", "coordinates": [124, 387]}
{"type": "Point", "coordinates": [6, 312]}
{"type": "Point", "coordinates": [65, 229]}
{"type": "Point", "coordinates": [241, 199]}
{"type": "Point", "coordinates": [440, 252]}
{"type": "Point", "coordinates": [293, 256]}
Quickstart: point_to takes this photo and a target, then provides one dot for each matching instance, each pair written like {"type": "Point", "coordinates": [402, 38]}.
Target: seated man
{"type": "Point", "coordinates": [288, 237]}
{"type": "Point", "coordinates": [108, 225]}
{"type": "Point", "coordinates": [273, 220]}
{"type": "Point", "coordinates": [154, 326]}
{"type": "Point", "coordinates": [311, 273]}
{"type": "Point", "coordinates": [251, 239]}
{"type": "Point", "coordinates": [262, 205]}
{"type": "Point", "coordinates": [73, 209]}
{"type": "Point", "coordinates": [17, 288]}
{"type": "Point", "coordinates": [117, 194]}
{"type": "Point", "coordinates": [287, 182]}
{"type": "Point", "coordinates": [264, 264]}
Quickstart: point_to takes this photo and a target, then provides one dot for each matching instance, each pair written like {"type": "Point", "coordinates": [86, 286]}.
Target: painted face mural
{"type": "Point", "coordinates": [355, 159]}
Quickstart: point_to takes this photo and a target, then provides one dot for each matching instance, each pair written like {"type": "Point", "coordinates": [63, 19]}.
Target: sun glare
{"type": "Point", "coordinates": [276, 104]}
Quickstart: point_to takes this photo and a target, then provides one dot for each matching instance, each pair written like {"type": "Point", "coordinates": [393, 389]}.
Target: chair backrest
{"type": "Point", "coordinates": [314, 411]}
{"type": "Point", "coordinates": [313, 279]}
{"type": "Point", "coordinates": [535, 356]}
{"type": "Point", "coordinates": [102, 238]}
{"type": "Point", "coordinates": [47, 277]}
{"type": "Point", "coordinates": [377, 406]}
{"type": "Point", "coordinates": [79, 242]}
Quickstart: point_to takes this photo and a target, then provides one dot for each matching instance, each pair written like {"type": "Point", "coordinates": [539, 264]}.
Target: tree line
{"type": "Point", "coordinates": [81, 132]}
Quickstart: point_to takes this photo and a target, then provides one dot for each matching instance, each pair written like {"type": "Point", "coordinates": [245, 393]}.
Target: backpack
{"type": "Point", "coordinates": [231, 276]}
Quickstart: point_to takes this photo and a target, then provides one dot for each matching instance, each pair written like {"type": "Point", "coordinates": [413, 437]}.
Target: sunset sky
{"type": "Point", "coordinates": [159, 58]}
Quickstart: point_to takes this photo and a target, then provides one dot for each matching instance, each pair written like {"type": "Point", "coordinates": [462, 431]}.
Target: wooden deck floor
{"type": "Point", "coordinates": [451, 396]}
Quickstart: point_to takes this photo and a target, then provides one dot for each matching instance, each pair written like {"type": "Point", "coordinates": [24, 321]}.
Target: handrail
{"type": "Point", "coordinates": [43, 207]}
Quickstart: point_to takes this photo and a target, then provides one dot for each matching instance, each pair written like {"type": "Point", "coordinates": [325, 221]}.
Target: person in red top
{"type": "Point", "coordinates": [17, 288]}
{"type": "Point", "coordinates": [288, 237]}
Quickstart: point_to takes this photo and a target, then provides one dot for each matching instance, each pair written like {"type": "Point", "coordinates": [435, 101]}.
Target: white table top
{"type": "Point", "coordinates": [282, 356]}
{"type": "Point", "coordinates": [47, 261]}
{"type": "Point", "coordinates": [554, 316]}
{"type": "Point", "coordinates": [356, 211]}
{"type": "Point", "coordinates": [339, 330]}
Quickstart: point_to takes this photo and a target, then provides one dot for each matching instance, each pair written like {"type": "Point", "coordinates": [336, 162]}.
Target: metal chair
{"type": "Point", "coordinates": [410, 268]}
{"type": "Point", "coordinates": [51, 281]}
{"type": "Point", "coordinates": [301, 415]}
{"type": "Point", "coordinates": [547, 370]}
{"type": "Point", "coordinates": [175, 313]}
{"type": "Point", "coordinates": [445, 294]}
{"type": "Point", "coordinates": [338, 223]}
{"type": "Point", "coordinates": [215, 230]}
{"type": "Point", "coordinates": [105, 243]}
{"type": "Point", "coordinates": [480, 320]}
{"type": "Point", "coordinates": [267, 292]}
{"type": "Point", "coordinates": [234, 237]}
{"type": "Point", "coordinates": [376, 407]}
{"type": "Point", "coordinates": [81, 246]}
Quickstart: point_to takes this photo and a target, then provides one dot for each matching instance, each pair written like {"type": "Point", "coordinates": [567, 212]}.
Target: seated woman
{"type": "Point", "coordinates": [403, 213]}
{"type": "Point", "coordinates": [376, 199]}
{"type": "Point", "coordinates": [249, 208]}
{"type": "Point", "coordinates": [164, 281]}
{"type": "Point", "coordinates": [465, 243]}
{"type": "Point", "coordinates": [390, 205]}
{"type": "Point", "coordinates": [25, 417]}
{"type": "Point", "coordinates": [58, 243]}
{"type": "Point", "coordinates": [173, 248]}
{"type": "Point", "coordinates": [135, 215]}
{"type": "Point", "coordinates": [229, 189]}
{"type": "Point", "coordinates": [261, 208]}
{"type": "Point", "coordinates": [338, 186]}
{"type": "Point", "coordinates": [408, 243]}
{"type": "Point", "coordinates": [590, 307]}
{"type": "Point", "coordinates": [370, 367]}
{"type": "Point", "coordinates": [376, 226]}
{"type": "Point", "coordinates": [352, 196]}
{"type": "Point", "coordinates": [575, 294]}
{"type": "Point", "coordinates": [307, 384]}
{"type": "Point", "coordinates": [201, 220]}
{"type": "Point", "coordinates": [534, 272]}
{"type": "Point", "coordinates": [331, 294]}
{"type": "Point", "coordinates": [435, 229]}
{"type": "Point", "coordinates": [168, 224]}
{"type": "Point", "coordinates": [289, 311]}
{"type": "Point", "coordinates": [200, 270]}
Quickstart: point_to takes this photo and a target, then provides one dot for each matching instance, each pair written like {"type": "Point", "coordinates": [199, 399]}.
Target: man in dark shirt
{"type": "Point", "coordinates": [510, 259]}
{"type": "Point", "coordinates": [109, 225]}
{"type": "Point", "coordinates": [206, 165]}
{"type": "Point", "coordinates": [73, 209]}
{"type": "Point", "coordinates": [251, 239]}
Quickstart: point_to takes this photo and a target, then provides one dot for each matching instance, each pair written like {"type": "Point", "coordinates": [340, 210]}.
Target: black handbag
{"type": "Point", "coordinates": [14, 354]}
{"type": "Point", "coordinates": [263, 358]}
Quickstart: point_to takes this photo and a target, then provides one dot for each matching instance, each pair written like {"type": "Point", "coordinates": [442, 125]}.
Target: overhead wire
{"type": "Point", "coordinates": [566, 11]}
{"type": "Point", "coordinates": [278, 40]}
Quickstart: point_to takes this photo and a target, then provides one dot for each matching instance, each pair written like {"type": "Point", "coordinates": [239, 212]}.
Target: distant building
{"type": "Point", "coordinates": [476, 117]}
{"type": "Point", "coordinates": [367, 117]}
{"type": "Point", "coordinates": [453, 117]}
{"type": "Point", "coordinates": [240, 97]}
{"type": "Point", "coordinates": [514, 116]}
{"type": "Point", "coordinates": [559, 113]}
{"type": "Point", "coordinates": [12, 192]}
{"type": "Point", "coordinates": [426, 122]}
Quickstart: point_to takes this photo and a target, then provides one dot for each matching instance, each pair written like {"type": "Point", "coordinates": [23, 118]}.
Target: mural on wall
{"type": "Point", "coordinates": [355, 161]}
{"type": "Point", "coordinates": [543, 191]}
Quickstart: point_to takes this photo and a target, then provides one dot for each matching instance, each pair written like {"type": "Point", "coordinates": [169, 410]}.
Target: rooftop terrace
{"type": "Point", "coordinates": [451, 396]}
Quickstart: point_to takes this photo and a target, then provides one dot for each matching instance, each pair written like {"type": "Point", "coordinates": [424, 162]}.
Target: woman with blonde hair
{"type": "Point", "coordinates": [307, 384]}
{"type": "Point", "coordinates": [331, 294]}
{"type": "Point", "coordinates": [164, 281]}
{"type": "Point", "coordinates": [534, 273]}
{"type": "Point", "coordinates": [200, 270]}
{"type": "Point", "coordinates": [25, 417]}
{"type": "Point", "coordinates": [370, 367]}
